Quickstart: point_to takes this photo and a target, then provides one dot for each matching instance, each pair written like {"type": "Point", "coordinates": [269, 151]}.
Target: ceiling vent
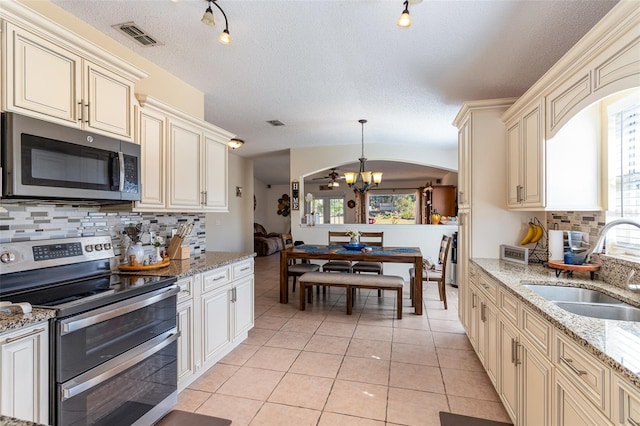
{"type": "Point", "coordinates": [131, 29]}
{"type": "Point", "coordinates": [275, 123]}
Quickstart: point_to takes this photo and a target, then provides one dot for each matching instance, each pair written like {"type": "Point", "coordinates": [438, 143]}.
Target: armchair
{"type": "Point", "coordinates": [265, 243]}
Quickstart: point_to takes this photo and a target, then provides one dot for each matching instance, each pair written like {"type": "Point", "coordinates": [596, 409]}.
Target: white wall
{"type": "Point", "coordinates": [261, 210]}
{"type": "Point", "coordinates": [233, 231]}
{"type": "Point", "coordinates": [275, 222]}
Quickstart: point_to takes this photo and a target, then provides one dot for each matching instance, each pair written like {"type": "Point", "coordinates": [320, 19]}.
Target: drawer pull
{"type": "Point", "coordinates": [219, 278]}
{"type": "Point", "coordinates": [245, 268]}
{"type": "Point", "coordinates": [22, 336]}
{"type": "Point", "coordinates": [569, 363]}
{"type": "Point", "coordinates": [632, 422]}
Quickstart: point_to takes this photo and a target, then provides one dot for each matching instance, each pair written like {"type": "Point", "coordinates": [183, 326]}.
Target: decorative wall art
{"type": "Point", "coordinates": [295, 195]}
{"type": "Point", "coordinates": [284, 205]}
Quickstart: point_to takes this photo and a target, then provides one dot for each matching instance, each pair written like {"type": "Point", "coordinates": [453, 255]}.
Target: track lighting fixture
{"type": "Point", "coordinates": [207, 19]}
{"type": "Point", "coordinates": [404, 21]}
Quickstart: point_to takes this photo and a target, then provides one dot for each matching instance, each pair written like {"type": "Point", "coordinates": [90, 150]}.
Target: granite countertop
{"type": "Point", "coordinates": [10, 322]}
{"type": "Point", "coordinates": [12, 421]}
{"type": "Point", "coordinates": [616, 343]}
{"type": "Point", "coordinates": [196, 264]}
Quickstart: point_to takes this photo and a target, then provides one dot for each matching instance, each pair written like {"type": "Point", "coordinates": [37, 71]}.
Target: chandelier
{"type": "Point", "coordinates": [363, 180]}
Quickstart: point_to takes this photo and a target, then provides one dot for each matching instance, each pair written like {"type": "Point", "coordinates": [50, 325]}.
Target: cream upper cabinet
{"type": "Point", "coordinates": [24, 368]}
{"type": "Point", "coordinates": [214, 171]}
{"type": "Point", "coordinates": [108, 102]}
{"type": "Point", "coordinates": [184, 160]}
{"type": "Point", "coordinates": [32, 63]}
{"type": "Point", "coordinates": [185, 188]}
{"type": "Point", "coordinates": [525, 156]}
{"type": "Point", "coordinates": [98, 98]}
{"type": "Point", "coordinates": [151, 134]}
{"type": "Point", "coordinates": [554, 124]}
{"type": "Point", "coordinates": [464, 164]}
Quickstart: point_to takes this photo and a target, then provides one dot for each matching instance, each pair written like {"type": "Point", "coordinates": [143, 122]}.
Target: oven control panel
{"type": "Point", "coordinates": [27, 255]}
{"type": "Point", "coordinates": [56, 251]}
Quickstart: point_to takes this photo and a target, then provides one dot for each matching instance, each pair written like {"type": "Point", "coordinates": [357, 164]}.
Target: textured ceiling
{"type": "Point", "coordinates": [319, 66]}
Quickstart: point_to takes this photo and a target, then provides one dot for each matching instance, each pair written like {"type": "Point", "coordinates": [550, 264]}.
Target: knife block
{"type": "Point", "coordinates": [176, 250]}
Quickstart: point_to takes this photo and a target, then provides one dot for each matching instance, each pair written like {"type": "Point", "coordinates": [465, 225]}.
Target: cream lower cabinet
{"type": "Point", "coordinates": [625, 403]}
{"type": "Point", "coordinates": [215, 313]}
{"type": "Point", "coordinates": [542, 376]}
{"type": "Point", "coordinates": [24, 373]}
{"type": "Point", "coordinates": [572, 408]}
{"type": "Point", "coordinates": [85, 95]}
{"type": "Point", "coordinates": [525, 378]}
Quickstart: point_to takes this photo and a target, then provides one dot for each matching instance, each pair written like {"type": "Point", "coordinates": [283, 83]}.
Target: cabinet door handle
{"type": "Point", "coordinates": [88, 113]}
{"type": "Point", "coordinates": [482, 316]}
{"type": "Point", "coordinates": [461, 197]}
{"type": "Point", "coordinates": [22, 336]}
{"type": "Point", "coordinates": [513, 351]}
{"type": "Point", "coordinates": [632, 422]}
{"type": "Point", "coordinates": [517, 345]}
{"type": "Point", "coordinates": [518, 198]}
{"type": "Point", "coordinates": [473, 300]}
{"type": "Point", "coordinates": [81, 113]}
{"type": "Point", "coordinates": [569, 363]}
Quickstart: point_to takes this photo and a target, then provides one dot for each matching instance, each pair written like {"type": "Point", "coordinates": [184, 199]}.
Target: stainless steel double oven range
{"type": "Point", "coordinates": [113, 350]}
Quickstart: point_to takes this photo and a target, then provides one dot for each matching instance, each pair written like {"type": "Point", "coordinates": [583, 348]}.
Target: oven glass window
{"type": "Point", "coordinates": [90, 346]}
{"type": "Point", "coordinates": [127, 396]}
{"type": "Point", "coordinates": [46, 162]}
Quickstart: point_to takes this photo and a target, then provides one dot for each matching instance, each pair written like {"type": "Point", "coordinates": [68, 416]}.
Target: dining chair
{"type": "Point", "coordinates": [295, 269]}
{"type": "Point", "coordinates": [371, 239]}
{"type": "Point", "coordinates": [337, 238]}
{"type": "Point", "coordinates": [438, 274]}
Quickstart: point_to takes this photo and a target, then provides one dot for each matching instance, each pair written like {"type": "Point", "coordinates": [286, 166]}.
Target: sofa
{"type": "Point", "coordinates": [265, 243]}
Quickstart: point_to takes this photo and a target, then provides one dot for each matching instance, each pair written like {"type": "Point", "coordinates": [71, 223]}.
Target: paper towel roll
{"type": "Point", "coordinates": [556, 244]}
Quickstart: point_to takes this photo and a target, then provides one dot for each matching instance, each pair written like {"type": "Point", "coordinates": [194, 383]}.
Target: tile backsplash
{"type": "Point", "coordinates": [589, 222]}
{"type": "Point", "coordinates": [26, 221]}
{"type": "Point", "coordinates": [614, 270]}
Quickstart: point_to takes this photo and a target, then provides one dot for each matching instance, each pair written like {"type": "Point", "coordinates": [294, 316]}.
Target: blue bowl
{"type": "Point", "coordinates": [571, 258]}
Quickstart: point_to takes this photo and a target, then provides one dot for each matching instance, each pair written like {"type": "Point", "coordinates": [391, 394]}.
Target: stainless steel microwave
{"type": "Point", "coordinates": [43, 160]}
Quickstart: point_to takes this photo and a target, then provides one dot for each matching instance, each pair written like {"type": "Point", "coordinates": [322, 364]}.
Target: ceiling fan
{"type": "Point", "coordinates": [334, 176]}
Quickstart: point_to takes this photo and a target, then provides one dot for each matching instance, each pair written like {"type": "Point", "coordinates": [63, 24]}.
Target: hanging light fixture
{"type": "Point", "coordinates": [404, 21]}
{"type": "Point", "coordinates": [235, 143]}
{"type": "Point", "coordinates": [363, 180]}
{"type": "Point", "coordinates": [207, 19]}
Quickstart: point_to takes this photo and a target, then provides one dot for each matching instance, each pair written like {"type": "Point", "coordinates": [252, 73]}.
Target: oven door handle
{"type": "Point", "coordinates": [117, 309]}
{"type": "Point", "coordinates": [117, 365]}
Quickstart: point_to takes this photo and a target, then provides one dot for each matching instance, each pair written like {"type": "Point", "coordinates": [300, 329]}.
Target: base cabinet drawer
{"type": "Point", "coordinates": [586, 373]}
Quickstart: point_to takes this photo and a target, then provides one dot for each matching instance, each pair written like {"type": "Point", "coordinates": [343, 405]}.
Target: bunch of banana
{"type": "Point", "coordinates": [534, 233]}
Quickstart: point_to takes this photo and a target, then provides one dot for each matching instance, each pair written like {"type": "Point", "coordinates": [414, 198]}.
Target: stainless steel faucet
{"type": "Point", "coordinates": [603, 234]}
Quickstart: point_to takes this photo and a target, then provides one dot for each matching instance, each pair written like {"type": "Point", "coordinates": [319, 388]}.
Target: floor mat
{"type": "Point", "coordinates": [450, 419]}
{"type": "Point", "coordinates": [181, 418]}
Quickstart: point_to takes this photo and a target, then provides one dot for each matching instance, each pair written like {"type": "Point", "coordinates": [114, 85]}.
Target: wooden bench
{"type": "Point", "coordinates": [351, 282]}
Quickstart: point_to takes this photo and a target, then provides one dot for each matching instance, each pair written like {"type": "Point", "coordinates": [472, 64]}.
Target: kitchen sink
{"type": "Point", "coordinates": [587, 302]}
{"type": "Point", "coordinates": [622, 312]}
{"type": "Point", "coordinates": [571, 294]}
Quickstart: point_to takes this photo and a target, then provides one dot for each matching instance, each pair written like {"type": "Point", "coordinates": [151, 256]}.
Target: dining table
{"type": "Point", "coordinates": [411, 255]}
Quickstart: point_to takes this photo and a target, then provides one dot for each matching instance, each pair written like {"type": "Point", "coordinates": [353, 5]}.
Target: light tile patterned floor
{"type": "Point", "coordinates": [322, 367]}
